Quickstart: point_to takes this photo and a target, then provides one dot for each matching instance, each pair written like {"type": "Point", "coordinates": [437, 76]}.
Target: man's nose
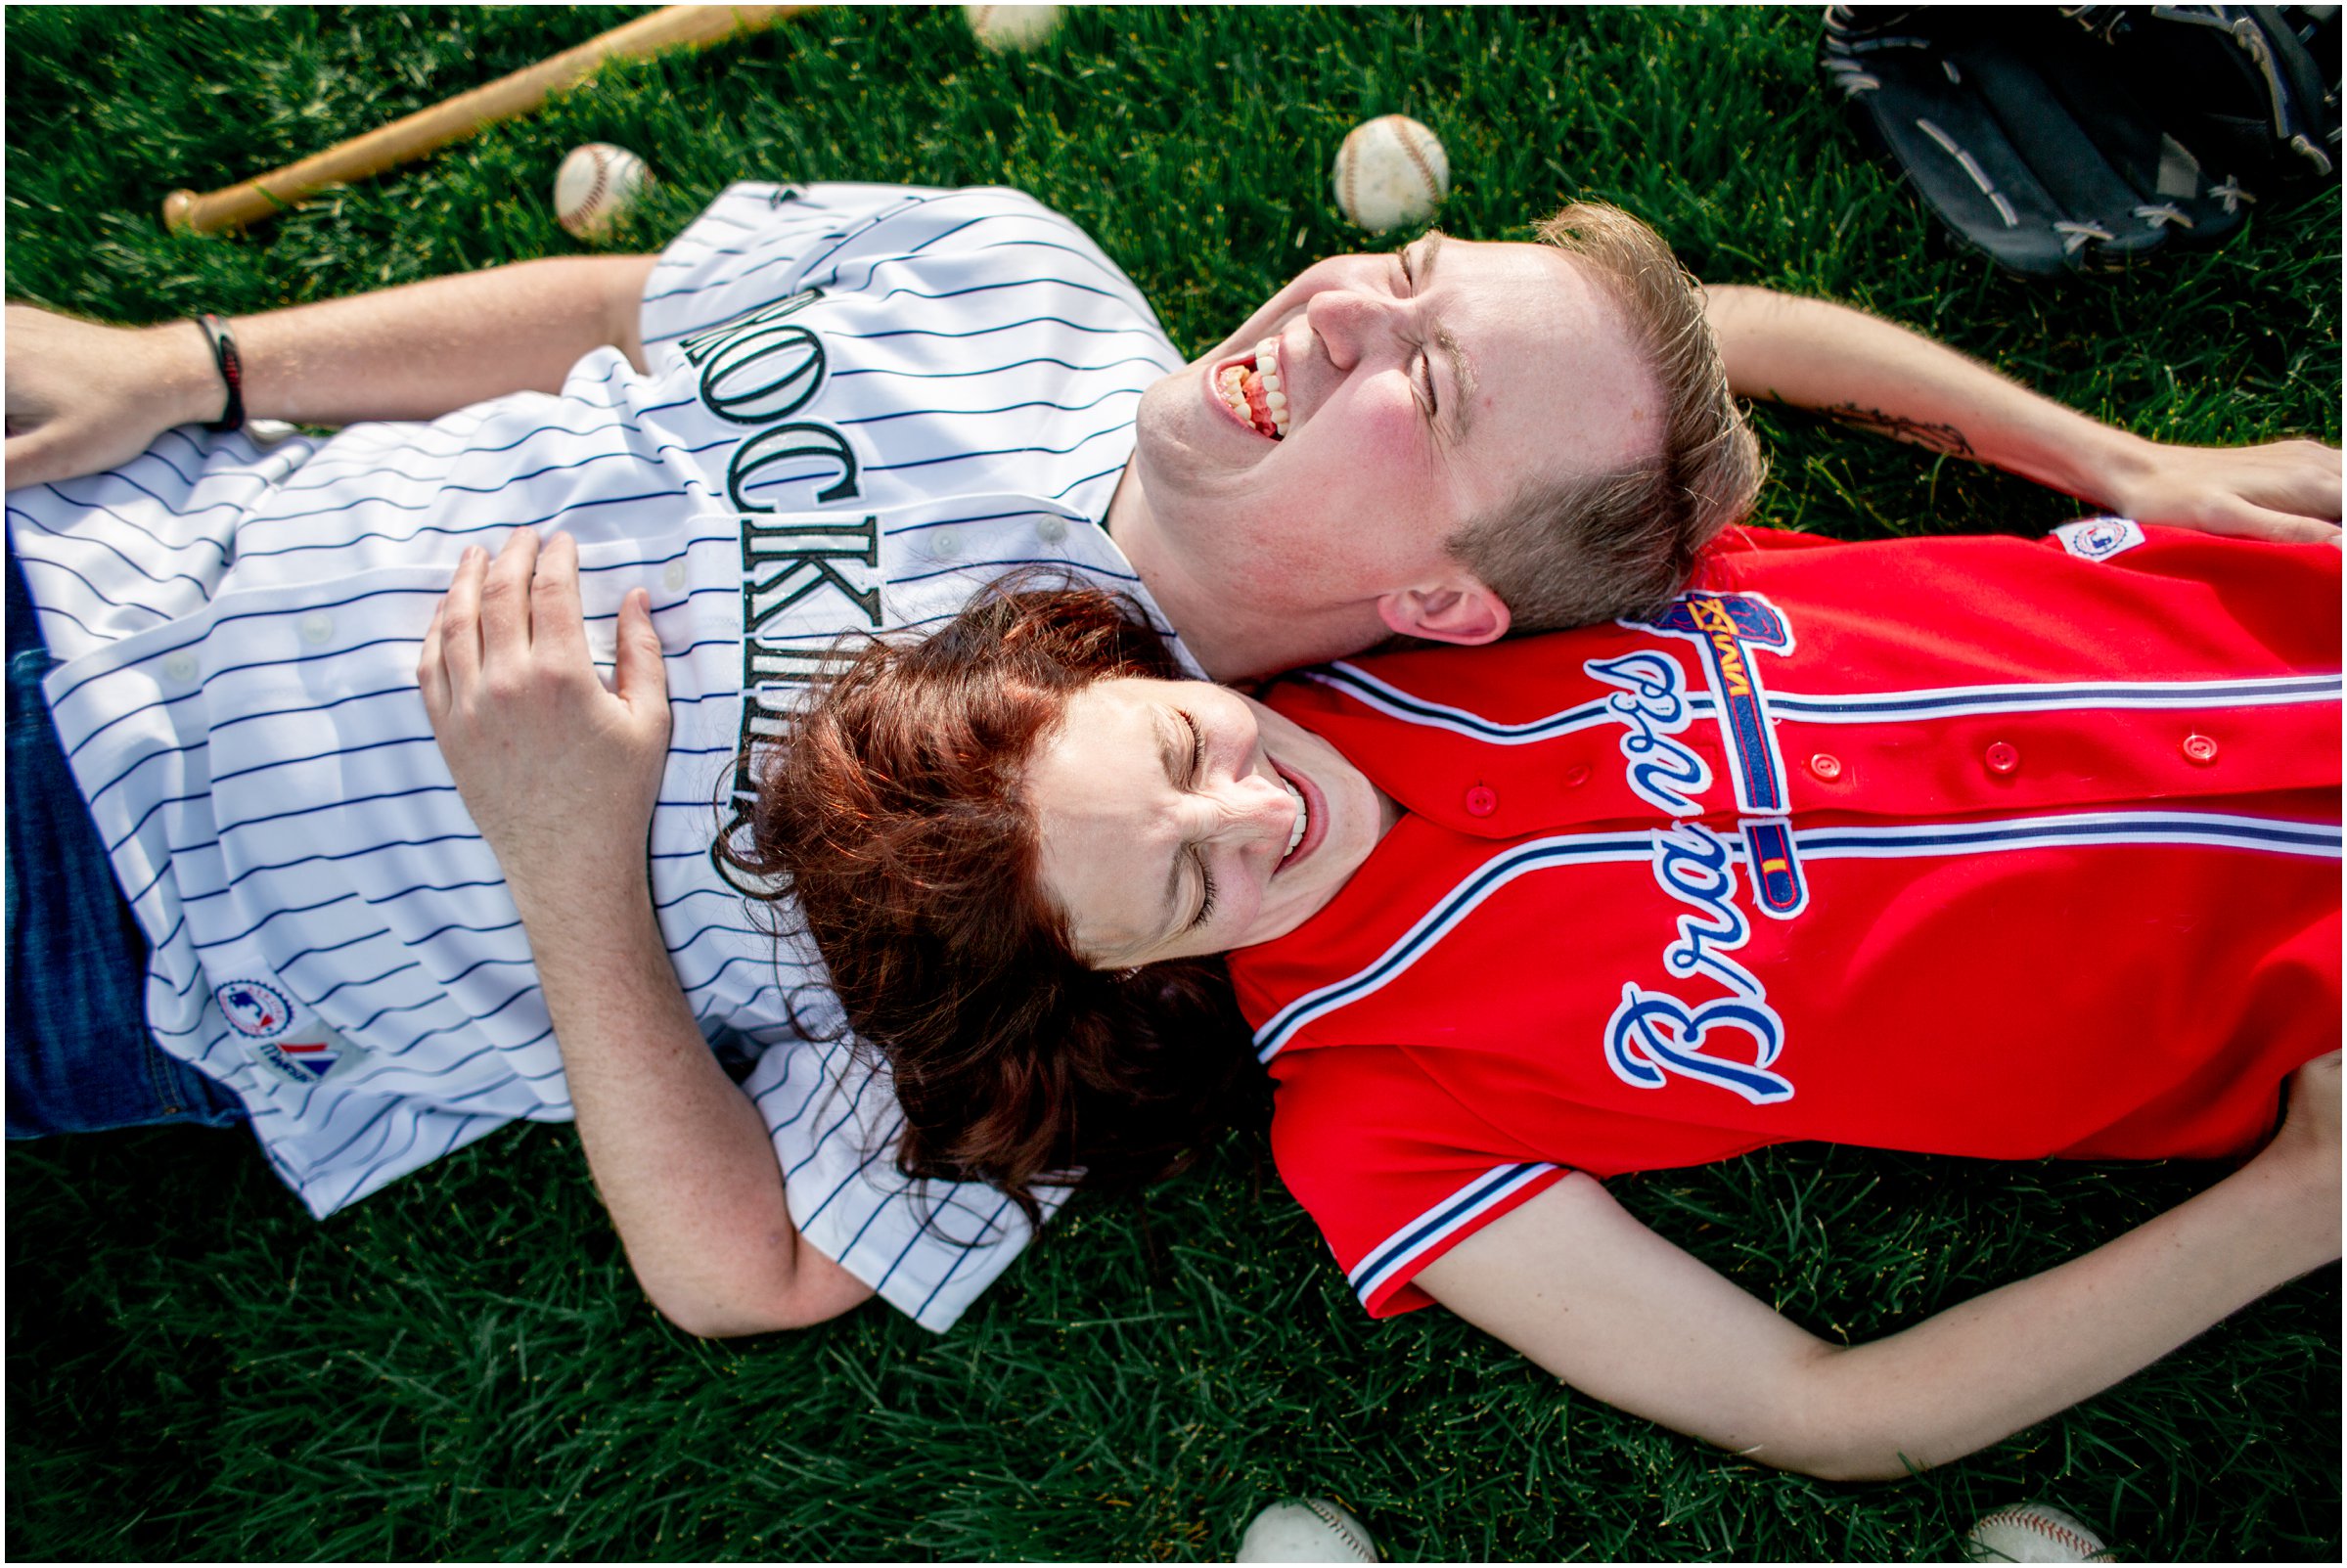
{"type": "Point", "coordinates": [1350, 323]}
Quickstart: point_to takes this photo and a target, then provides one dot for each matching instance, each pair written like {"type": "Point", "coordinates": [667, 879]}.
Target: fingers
{"type": "Point", "coordinates": [2264, 523]}
{"type": "Point", "coordinates": [459, 621]}
{"type": "Point", "coordinates": [643, 677]}
{"type": "Point", "coordinates": [558, 623]}
{"type": "Point", "coordinates": [432, 674]}
{"type": "Point", "coordinates": [505, 595]}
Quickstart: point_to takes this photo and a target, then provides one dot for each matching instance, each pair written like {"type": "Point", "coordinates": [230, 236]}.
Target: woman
{"type": "Point", "coordinates": [1967, 846]}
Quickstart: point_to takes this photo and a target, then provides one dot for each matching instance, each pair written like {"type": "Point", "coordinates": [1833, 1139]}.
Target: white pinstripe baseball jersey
{"type": "Point", "coordinates": [864, 401]}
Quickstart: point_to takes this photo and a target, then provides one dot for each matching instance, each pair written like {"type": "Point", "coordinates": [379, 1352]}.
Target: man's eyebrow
{"type": "Point", "coordinates": [1459, 405]}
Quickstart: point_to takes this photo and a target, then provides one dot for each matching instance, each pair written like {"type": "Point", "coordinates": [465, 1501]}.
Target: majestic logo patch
{"type": "Point", "coordinates": [297, 1061]}
{"type": "Point", "coordinates": [254, 1010]}
{"type": "Point", "coordinates": [2099, 537]}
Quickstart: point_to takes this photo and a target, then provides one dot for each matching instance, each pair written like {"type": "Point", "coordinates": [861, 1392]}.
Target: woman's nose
{"type": "Point", "coordinates": [1258, 806]}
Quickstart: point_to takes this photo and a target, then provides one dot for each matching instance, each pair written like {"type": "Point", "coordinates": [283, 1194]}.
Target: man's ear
{"type": "Point", "coordinates": [1458, 609]}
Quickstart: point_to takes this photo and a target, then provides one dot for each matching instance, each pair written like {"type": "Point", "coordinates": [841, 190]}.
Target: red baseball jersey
{"type": "Point", "coordinates": [1972, 846]}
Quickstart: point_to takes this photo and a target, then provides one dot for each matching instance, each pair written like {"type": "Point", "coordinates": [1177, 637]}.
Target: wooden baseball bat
{"type": "Point", "coordinates": [455, 119]}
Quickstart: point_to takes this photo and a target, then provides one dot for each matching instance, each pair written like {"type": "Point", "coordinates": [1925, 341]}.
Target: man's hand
{"type": "Point", "coordinates": [559, 774]}
{"type": "Point", "coordinates": [83, 398]}
{"type": "Point", "coordinates": [2284, 490]}
{"type": "Point", "coordinates": [1882, 377]}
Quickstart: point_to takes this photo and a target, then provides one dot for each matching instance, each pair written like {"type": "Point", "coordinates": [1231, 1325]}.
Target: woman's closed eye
{"type": "Point", "coordinates": [1197, 774]}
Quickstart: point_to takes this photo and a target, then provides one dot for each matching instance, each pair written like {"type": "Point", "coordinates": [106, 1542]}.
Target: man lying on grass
{"type": "Point", "coordinates": [823, 409]}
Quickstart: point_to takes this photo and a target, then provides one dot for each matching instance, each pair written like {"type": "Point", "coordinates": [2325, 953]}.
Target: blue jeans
{"type": "Point", "coordinates": [79, 1056]}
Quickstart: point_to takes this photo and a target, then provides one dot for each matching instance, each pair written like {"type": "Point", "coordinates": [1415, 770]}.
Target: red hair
{"type": "Point", "coordinates": [893, 813]}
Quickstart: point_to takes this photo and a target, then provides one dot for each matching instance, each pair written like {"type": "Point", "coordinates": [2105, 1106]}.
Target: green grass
{"type": "Point", "coordinates": [460, 1368]}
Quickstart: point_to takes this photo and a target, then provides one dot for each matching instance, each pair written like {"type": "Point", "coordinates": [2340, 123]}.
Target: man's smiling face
{"type": "Point", "coordinates": [1420, 388]}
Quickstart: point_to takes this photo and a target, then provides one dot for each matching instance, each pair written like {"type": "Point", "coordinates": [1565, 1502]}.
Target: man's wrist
{"type": "Point", "coordinates": [183, 374]}
{"type": "Point", "coordinates": [2111, 467]}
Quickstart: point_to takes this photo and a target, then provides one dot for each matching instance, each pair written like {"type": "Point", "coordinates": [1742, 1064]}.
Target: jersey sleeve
{"type": "Point", "coordinates": [758, 244]}
{"type": "Point", "coordinates": [1392, 1166]}
{"type": "Point", "coordinates": [926, 1248]}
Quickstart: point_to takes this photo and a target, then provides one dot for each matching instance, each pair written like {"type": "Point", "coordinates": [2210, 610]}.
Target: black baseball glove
{"type": "Point", "coordinates": [2084, 138]}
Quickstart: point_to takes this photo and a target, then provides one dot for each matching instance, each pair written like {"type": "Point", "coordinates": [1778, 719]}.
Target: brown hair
{"type": "Point", "coordinates": [893, 813]}
{"type": "Point", "coordinates": [1569, 551]}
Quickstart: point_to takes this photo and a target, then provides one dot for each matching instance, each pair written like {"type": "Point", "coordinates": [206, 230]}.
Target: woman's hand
{"type": "Point", "coordinates": [83, 398]}
{"type": "Point", "coordinates": [2284, 490]}
{"type": "Point", "coordinates": [560, 773]}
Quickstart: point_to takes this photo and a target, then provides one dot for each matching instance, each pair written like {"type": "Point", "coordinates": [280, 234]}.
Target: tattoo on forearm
{"type": "Point", "coordinates": [1939, 437]}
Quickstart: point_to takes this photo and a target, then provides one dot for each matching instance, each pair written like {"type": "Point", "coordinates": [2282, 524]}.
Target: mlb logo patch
{"type": "Point", "coordinates": [255, 1010]}
{"type": "Point", "coordinates": [2099, 538]}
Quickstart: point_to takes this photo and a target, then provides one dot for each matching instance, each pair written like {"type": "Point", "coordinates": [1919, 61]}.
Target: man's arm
{"type": "Point", "coordinates": [1588, 1292]}
{"type": "Point", "coordinates": [1868, 372]}
{"type": "Point", "coordinates": [679, 1153]}
{"type": "Point", "coordinates": [83, 397]}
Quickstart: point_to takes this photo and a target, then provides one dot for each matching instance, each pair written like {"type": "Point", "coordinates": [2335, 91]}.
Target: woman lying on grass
{"type": "Point", "coordinates": [1962, 846]}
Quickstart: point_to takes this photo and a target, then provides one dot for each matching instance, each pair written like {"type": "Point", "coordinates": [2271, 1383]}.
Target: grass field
{"type": "Point", "coordinates": [460, 1368]}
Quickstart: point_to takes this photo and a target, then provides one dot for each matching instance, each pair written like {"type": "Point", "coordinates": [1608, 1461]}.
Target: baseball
{"type": "Point", "coordinates": [2032, 1533]}
{"type": "Point", "coordinates": [1306, 1530]}
{"type": "Point", "coordinates": [1001, 27]}
{"type": "Point", "coordinates": [596, 184]}
{"type": "Point", "coordinates": [1391, 171]}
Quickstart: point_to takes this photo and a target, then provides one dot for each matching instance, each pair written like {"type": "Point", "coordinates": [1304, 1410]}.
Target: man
{"type": "Point", "coordinates": [823, 409]}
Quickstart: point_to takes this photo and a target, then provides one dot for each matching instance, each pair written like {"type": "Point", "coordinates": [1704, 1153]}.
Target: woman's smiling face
{"type": "Point", "coordinates": [1178, 818]}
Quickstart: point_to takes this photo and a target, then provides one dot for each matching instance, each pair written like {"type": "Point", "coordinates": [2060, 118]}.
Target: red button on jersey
{"type": "Point", "coordinates": [1482, 801]}
{"type": "Point", "coordinates": [2200, 749]}
{"type": "Point", "coordinates": [2002, 758]}
{"type": "Point", "coordinates": [1826, 765]}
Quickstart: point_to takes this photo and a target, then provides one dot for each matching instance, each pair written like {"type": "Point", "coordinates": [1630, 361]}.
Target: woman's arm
{"type": "Point", "coordinates": [82, 397]}
{"type": "Point", "coordinates": [560, 775]}
{"type": "Point", "coordinates": [1588, 1292]}
{"type": "Point", "coordinates": [1884, 378]}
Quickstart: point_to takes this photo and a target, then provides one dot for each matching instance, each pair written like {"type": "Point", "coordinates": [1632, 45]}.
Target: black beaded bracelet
{"type": "Point", "coordinates": [232, 370]}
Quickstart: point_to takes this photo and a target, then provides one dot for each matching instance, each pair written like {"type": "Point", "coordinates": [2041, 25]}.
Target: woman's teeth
{"type": "Point", "coordinates": [1295, 834]}
{"type": "Point", "coordinates": [1251, 390]}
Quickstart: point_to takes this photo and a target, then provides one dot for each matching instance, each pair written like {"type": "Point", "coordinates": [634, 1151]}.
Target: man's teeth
{"type": "Point", "coordinates": [1252, 391]}
{"type": "Point", "coordinates": [1267, 373]}
{"type": "Point", "coordinates": [1295, 834]}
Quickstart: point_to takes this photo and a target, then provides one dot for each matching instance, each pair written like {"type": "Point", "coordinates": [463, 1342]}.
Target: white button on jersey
{"type": "Point", "coordinates": [943, 546]}
{"type": "Point", "coordinates": [674, 579]}
{"type": "Point", "coordinates": [181, 666]}
{"type": "Point", "coordinates": [1051, 530]}
{"type": "Point", "coordinates": [317, 627]}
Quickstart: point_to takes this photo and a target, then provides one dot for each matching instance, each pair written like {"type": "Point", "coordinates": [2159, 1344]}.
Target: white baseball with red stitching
{"type": "Point", "coordinates": [1002, 27]}
{"type": "Point", "coordinates": [1391, 171]}
{"type": "Point", "coordinates": [2031, 1532]}
{"type": "Point", "coordinates": [594, 184]}
{"type": "Point", "coordinates": [1306, 1530]}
